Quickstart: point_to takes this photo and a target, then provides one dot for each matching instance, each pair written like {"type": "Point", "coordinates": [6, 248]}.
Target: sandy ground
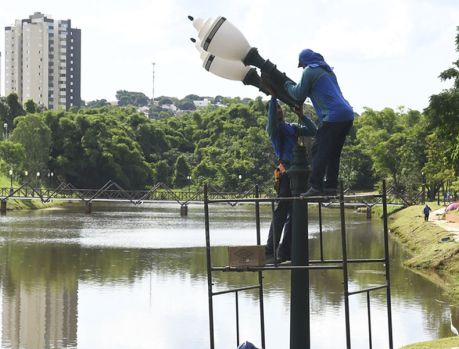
{"type": "Point", "coordinates": [437, 218]}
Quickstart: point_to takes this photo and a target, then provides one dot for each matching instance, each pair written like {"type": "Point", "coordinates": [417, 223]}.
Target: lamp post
{"type": "Point", "coordinates": [11, 183]}
{"type": "Point", "coordinates": [50, 178]}
{"type": "Point", "coordinates": [423, 188]}
{"type": "Point", "coordinates": [26, 173]}
{"type": "Point", "coordinates": [38, 179]}
{"type": "Point", "coordinates": [228, 48]}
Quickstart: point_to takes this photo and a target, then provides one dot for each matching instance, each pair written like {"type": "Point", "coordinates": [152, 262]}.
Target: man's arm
{"type": "Point", "coordinates": [300, 91]}
{"type": "Point", "coordinates": [272, 126]}
{"type": "Point", "coordinates": [309, 129]}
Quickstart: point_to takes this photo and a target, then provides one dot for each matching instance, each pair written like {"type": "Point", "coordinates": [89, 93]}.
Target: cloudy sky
{"type": "Point", "coordinates": [385, 53]}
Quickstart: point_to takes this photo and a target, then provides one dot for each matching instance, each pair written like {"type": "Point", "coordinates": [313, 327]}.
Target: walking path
{"type": "Point", "coordinates": [452, 227]}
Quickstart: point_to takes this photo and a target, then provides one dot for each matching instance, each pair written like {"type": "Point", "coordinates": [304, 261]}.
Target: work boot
{"type": "Point", "coordinates": [312, 192]}
{"type": "Point", "coordinates": [283, 256]}
{"type": "Point", "coordinates": [269, 259]}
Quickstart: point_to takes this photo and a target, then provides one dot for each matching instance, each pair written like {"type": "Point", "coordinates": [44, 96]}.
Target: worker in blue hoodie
{"type": "Point", "coordinates": [319, 83]}
{"type": "Point", "coordinates": [283, 136]}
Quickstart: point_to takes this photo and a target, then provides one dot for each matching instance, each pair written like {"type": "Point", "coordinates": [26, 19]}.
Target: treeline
{"type": "Point", "coordinates": [226, 146]}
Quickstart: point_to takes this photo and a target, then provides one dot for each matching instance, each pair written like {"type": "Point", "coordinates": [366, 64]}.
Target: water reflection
{"type": "Point", "coordinates": [127, 278]}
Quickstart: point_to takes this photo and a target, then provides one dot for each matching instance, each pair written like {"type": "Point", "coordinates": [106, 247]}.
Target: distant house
{"type": "Point", "coordinates": [202, 103]}
{"type": "Point", "coordinates": [143, 110]}
{"type": "Point", "coordinates": [170, 107]}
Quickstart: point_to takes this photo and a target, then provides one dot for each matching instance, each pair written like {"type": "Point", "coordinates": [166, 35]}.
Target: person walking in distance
{"type": "Point", "coordinates": [426, 212]}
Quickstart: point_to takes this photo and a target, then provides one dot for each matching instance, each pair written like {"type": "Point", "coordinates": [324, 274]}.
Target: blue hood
{"type": "Point", "coordinates": [312, 59]}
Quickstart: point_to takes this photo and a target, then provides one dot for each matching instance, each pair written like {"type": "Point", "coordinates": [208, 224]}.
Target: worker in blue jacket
{"type": "Point", "coordinates": [283, 136]}
{"type": "Point", "coordinates": [319, 83]}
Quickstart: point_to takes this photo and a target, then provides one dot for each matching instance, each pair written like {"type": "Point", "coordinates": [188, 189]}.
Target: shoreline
{"type": "Point", "coordinates": [434, 254]}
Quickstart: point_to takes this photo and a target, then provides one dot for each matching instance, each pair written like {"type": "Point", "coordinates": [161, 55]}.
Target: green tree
{"type": "Point", "coordinates": [98, 103]}
{"type": "Point", "coordinates": [381, 136]}
{"type": "Point", "coordinates": [186, 104]}
{"type": "Point", "coordinates": [356, 165]}
{"type": "Point", "coordinates": [443, 117]}
{"type": "Point", "coordinates": [15, 108]}
{"type": "Point", "coordinates": [35, 136]}
{"type": "Point", "coordinates": [12, 155]}
{"type": "Point", "coordinates": [162, 172]}
{"type": "Point", "coordinates": [181, 172]}
{"type": "Point", "coordinates": [30, 106]}
{"type": "Point", "coordinates": [132, 98]}
{"type": "Point", "coordinates": [4, 114]}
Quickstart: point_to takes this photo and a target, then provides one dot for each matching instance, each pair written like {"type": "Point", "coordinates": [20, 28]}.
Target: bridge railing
{"type": "Point", "coordinates": [161, 192]}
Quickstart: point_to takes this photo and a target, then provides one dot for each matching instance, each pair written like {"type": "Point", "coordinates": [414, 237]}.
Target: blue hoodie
{"type": "Point", "coordinates": [283, 135]}
{"type": "Point", "coordinates": [319, 83]}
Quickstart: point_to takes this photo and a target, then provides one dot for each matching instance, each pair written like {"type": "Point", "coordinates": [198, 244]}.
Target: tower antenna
{"type": "Point", "coordinates": [153, 86]}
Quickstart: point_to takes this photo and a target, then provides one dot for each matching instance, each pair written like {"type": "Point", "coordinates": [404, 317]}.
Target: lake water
{"type": "Point", "coordinates": [135, 277]}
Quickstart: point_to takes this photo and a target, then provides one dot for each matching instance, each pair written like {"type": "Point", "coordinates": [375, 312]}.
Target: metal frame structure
{"type": "Point", "coordinates": [320, 264]}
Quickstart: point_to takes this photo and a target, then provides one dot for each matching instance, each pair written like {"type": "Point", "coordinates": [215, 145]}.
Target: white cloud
{"type": "Point", "coordinates": [386, 53]}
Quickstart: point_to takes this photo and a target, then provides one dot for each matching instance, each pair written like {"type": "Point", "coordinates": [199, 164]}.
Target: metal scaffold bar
{"type": "Point", "coordinates": [301, 322]}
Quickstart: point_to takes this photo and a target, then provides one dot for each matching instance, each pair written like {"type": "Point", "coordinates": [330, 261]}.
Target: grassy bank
{"type": "Point", "coordinates": [5, 182]}
{"type": "Point", "coordinates": [444, 343]}
{"type": "Point", "coordinates": [431, 247]}
{"type": "Point", "coordinates": [434, 255]}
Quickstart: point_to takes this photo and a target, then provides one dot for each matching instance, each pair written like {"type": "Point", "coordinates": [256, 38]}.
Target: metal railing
{"type": "Point", "coordinates": [318, 265]}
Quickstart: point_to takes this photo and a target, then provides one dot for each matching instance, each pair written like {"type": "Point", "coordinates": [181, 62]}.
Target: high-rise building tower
{"type": "Point", "coordinates": [43, 61]}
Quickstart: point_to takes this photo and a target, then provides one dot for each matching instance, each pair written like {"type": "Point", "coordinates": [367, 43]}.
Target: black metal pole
{"type": "Point", "coordinates": [370, 341]}
{"type": "Point", "coordinates": [209, 268]}
{"type": "Point", "coordinates": [321, 233]}
{"type": "Point", "coordinates": [236, 295]}
{"type": "Point", "coordinates": [260, 273]}
{"type": "Point", "coordinates": [299, 302]}
{"type": "Point", "coordinates": [386, 258]}
{"type": "Point", "coordinates": [345, 272]}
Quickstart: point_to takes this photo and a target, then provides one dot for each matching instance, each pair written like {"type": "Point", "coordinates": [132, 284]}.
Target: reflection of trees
{"type": "Point", "coordinates": [64, 265]}
{"type": "Point", "coordinates": [29, 265]}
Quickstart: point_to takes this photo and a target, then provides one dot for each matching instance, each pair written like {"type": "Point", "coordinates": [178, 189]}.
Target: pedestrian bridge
{"type": "Point", "coordinates": [112, 192]}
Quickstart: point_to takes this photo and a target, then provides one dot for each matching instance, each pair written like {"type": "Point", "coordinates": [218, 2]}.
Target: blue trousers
{"type": "Point", "coordinates": [281, 221]}
{"type": "Point", "coordinates": [326, 153]}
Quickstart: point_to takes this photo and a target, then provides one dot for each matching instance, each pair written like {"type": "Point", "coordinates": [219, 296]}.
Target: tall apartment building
{"type": "Point", "coordinates": [43, 61]}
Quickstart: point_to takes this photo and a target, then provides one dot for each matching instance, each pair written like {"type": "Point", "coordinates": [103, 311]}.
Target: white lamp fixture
{"type": "Point", "coordinates": [223, 40]}
{"type": "Point", "coordinates": [229, 69]}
